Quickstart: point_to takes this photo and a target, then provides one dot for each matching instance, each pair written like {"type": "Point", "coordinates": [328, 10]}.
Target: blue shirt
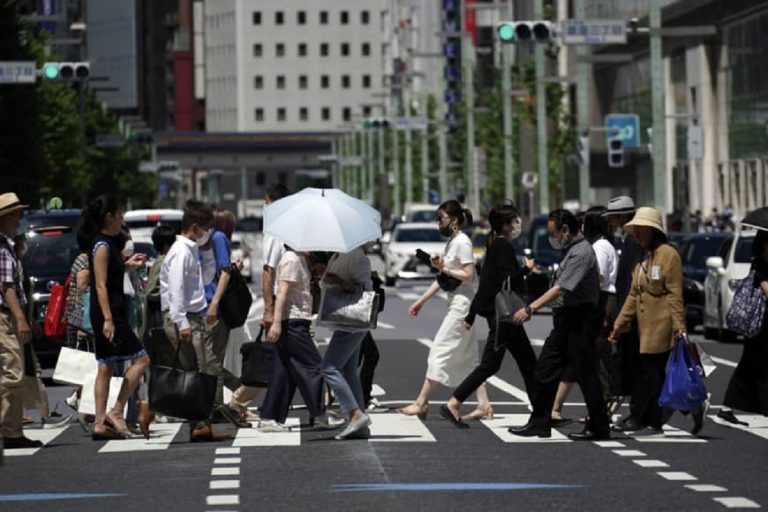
{"type": "Point", "coordinates": [222, 256]}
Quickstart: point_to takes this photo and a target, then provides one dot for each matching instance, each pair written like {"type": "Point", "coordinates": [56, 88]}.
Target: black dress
{"type": "Point", "coordinates": [125, 344]}
{"type": "Point", "coordinates": [748, 388]}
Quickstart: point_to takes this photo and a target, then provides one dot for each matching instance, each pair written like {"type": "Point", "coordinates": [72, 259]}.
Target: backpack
{"type": "Point", "coordinates": [55, 322]}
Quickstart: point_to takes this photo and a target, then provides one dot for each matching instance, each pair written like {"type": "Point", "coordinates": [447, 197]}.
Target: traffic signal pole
{"type": "Point", "coordinates": [582, 107]}
{"type": "Point", "coordinates": [468, 70]}
{"type": "Point", "coordinates": [659, 141]}
{"type": "Point", "coordinates": [371, 167]}
{"type": "Point", "coordinates": [541, 115]}
{"type": "Point", "coordinates": [506, 86]}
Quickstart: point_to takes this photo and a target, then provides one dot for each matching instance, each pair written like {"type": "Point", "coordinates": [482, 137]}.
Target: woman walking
{"type": "Point", "coordinates": [454, 351]}
{"type": "Point", "coordinates": [500, 266]}
{"type": "Point", "coordinates": [656, 299]}
{"type": "Point", "coordinates": [114, 339]}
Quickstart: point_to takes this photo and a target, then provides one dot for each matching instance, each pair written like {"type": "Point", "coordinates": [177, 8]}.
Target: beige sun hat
{"type": "Point", "coordinates": [9, 202]}
{"type": "Point", "coordinates": [645, 216]}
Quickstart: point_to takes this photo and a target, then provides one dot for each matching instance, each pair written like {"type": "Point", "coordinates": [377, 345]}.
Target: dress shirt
{"type": "Point", "coordinates": [181, 282]}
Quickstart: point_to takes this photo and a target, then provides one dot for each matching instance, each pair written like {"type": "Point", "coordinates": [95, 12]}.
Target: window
{"type": "Point", "coordinates": [259, 114]}
{"type": "Point", "coordinates": [323, 49]}
{"type": "Point", "coordinates": [303, 81]}
{"type": "Point", "coordinates": [257, 50]}
{"type": "Point", "coordinates": [325, 81]}
{"type": "Point", "coordinates": [344, 15]}
{"type": "Point", "coordinates": [279, 18]}
{"type": "Point", "coordinates": [280, 50]}
{"type": "Point", "coordinates": [345, 81]}
{"type": "Point", "coordinates": [302, 49]}
{"type": "Point", "coordinates": [258, 82]}
{"type": "Point", "coordinates": [281, 114]}
{"type": "Point", "coordinates": [365, 17]}
{"type": "Point", "coordinates": [323, 17]}
{"type": "Point", "coordinates": [257, 17]}
{"type": "Point", "coordinates": [301, 17]}
{"type": "Point", "coordinates": [346, 114]}
{"type": "Point", "coordinates": [366, 49]}
{"type": "Point", "coordinates": [303, 114]}
{"type": "Point", "coordinates": [326, 113]}
{"type": "Point", "coordinates": [366, 81]}
{"type": "Point", "coordinates": [366, 111]}
{"type": "Point", "coordinates": [281, 81]}
{"type": "Point", "coordinates": [345, 49]}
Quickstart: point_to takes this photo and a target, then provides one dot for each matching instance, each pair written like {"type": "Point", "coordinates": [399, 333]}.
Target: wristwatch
{"type": "Point", "coordinates": [528, 310]}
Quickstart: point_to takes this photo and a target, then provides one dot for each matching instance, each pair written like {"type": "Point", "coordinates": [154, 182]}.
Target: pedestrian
{"type": "Point", "coordinates": [500, 266]}
{"type": "Point", "coordinates": [351, 272]}
{"type": "Point", "coordinates": [163, 237]}
{"type": "Point", "coordinates": [656, 300]}
{"type": "Point", "coordinates": [115, 341]}
{"type": "Point", "coordinates": [369, 351]}
{"type": "Point", "coordinates": [182, 297]}
{"type": "Point", "coordinates": [573, 296]}
{"type": "Point", "coordinates": [597, 232]}
{"type": "Point", "coordinates": [626, 372]}
{"type": "Point", "coordinates": [454, 352]}
{"type": "Point", "coordinates": [298, 362]}
{"type": "Point", "coordinates": [15, 329]}
{"type": "Point", "coordinates": [748, 388]}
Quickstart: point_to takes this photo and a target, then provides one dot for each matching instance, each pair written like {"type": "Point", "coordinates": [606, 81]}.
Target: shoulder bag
{"type": "Point", "coordinates": [348, 311]}
{"type": "Point", "coordinates": [507, 302]}
{"type": "Point", "coordinates": [236, 300]}
{"type": "Point", "coordinates": [258, 357]}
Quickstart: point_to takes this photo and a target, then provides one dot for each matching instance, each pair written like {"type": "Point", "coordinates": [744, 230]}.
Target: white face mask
{"type": "Point", "coordinates": [517, 230]}
{"type": "Point", "coordinates": [128, 249]}
{"type": "Point", "coordinates": [203, 239]}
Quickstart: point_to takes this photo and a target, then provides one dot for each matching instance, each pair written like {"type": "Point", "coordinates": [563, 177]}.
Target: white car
{"type": "Point", "coordinates": [400, 260]}
{"type": "Point", "coordinates": [143, 222]}
{"type": "Point", "coordinates": [241, 251]}
{"type": "Point", "coordinates": [721, 282]}
{"type": "Point", "coordinates": [421, 212]}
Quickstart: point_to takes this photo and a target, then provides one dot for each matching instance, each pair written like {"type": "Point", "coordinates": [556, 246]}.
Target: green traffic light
{"type": "Point", "coordinates": [51, 71]}
{"type": "Point", "coordinates": [506, 32]}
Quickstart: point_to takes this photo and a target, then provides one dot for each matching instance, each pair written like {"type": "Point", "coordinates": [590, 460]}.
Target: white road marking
{"type": "Point", "coordinates": [706, 488]}
{"type": "Point", "coordinates": [537, 342]}
{"type": "Point", "coordinates": [408, 296]}
{"type": "Point", "coordinates": [609, 444]}
{"type": "Point", "coordinates": [399, 428]}
{"type": "Point", "coordinates": [651, 463]}
{"type": "Point", "coordinates": [501, 422]}
{"type": "Point", "coordinates": [227, 451]}
{"type": "Point", "coordinates": [377, 391]}
{"type": "Point", "coordinates": [225, 484]}
{"type": "Point", "coordinates": [223, 499]}
{"type": "Point", "coordinates": [676, 475]}
{"type": "Point", "coordinates": [758, 425]}
{"type": "Point", "coordinates": [629, 453]}
{"type": "Point", "coordinates": [384, 325]}
{"type": "Point", "coordinates": [724, 362]}
{"type": "Point", "coordinates": [225, 471]}
{"type": "Point", "coordinates": [252, 437]}
{"type": "Point", "coordinates": [737, 502]}
{"type": "Point", "coordinates": [671, 435]}
{"type": "Point", "coordinates": [45, 435]}
{"type": "Point", "coordinates": [161, 436]}
{"type": "Point", "coordinates": [227, 460]}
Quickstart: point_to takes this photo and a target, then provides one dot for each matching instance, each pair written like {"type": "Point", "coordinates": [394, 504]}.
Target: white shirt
{"type": "Point", "coordinates": [457, 254]}
{"type": "Point", "coordinates": [607, 263]}
{"type": "Point", "coordinates": [181, 282]}
{"type": "Point", "coordinates": [273, 250]}
{"type": "Point", "coordinates": [293, 269]}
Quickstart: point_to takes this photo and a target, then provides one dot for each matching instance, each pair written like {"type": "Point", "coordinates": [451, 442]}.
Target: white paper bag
{"type": "Point", "coordinates": [73, 366]}
{"type": "Point", "coordinates": [87, 400]}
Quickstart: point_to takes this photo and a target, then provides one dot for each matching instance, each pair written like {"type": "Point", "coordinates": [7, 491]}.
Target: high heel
{"type": "Point", "coordinates": [146, 416]}
{"type": "Point", "coordinates": [415, 410]}
{"type": "Point", "coordinates": [479, 414]}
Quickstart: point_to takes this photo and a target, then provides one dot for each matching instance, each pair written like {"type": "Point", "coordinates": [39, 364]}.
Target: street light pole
{"type": "Point", "coordinates": [371, 165]}
{"type": "Point", "coordinates": [582, 107]}
{"type": "Point", "coordinates": [506, 85]}
{"type": "Point", "coordinates": [468, 71]}
{"type": "Point", "coordinates": [659, 141]}
{"type": "Point", "coordinates": [541, 115]}
{"type": "Point", "coordinates": [425, 148]}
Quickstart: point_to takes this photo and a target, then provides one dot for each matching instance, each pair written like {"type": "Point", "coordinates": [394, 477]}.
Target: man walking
{"type": "Point", "coordinates": [573, 296]}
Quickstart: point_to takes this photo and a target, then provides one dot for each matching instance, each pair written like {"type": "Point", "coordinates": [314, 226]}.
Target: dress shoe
{"type": "Point", "coordinates": [731, 418]}
{"type": "Point", "coordinates": [698, 418]}
{"type": "Point", "coordinates": [9, 443]}
{"type": "Point", "coordinates": [446, 413]}
{"type": "Point", "coordinates": [146, 416]}
{"type": "Point", "coordinates": [588, 435]}
{"type": "Point", "coordinates": [629, 425]}
{"type": "Point", "coordinates": [207, 434]}
{"type": "Point", "coordinates": [530, 431]}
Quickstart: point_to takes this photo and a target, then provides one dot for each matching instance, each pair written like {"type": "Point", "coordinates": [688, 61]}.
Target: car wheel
{"type": "Point", "coordinates": [389, 281]}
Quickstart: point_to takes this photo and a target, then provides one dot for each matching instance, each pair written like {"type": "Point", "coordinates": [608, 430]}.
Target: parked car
{"type": "Point", "coordinates": [479, 237]}
{"type": "Point", "coordinates": [143, 222]}
{"type": "Point", "coordinates": [400, 252]}
{"type": "Point", "coordinates": [421, 212]}
{"type": "Point", "coordinates": [241, 251]}
{"type": "Point", "coordinates": [723, 277]}
{"type": "Point", "coordinates": [694, 252]}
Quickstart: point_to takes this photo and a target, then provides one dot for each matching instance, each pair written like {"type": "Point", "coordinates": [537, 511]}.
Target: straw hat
{"type": "Point", "coordinates": [645, 216]}
{"type": "Point", "coordinates": [9, 202]}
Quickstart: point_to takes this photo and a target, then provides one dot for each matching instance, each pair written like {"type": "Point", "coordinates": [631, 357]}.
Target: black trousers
{"type": "Point", "coordinates": [567, 345]}
{"type": "Point", "coordinates": [298, 364]}
{"type": "Point", "coordinates": [645, 396]}
{"type": "Point", "coordinates": [511, 337]}
{"type": "Point", "coordinates": [369, 359]}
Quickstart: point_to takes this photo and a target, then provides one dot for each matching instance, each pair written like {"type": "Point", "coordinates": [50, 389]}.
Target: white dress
{"type": "Point", "coordinates": [454, 352]}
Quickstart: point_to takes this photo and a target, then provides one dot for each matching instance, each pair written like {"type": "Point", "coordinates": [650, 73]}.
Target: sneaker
{"type": "Point", "coordinates": [55, 420]}
{"type": "Point", "coordinates": [327, 422]}
{"type": "Point", "coordinates": [354, 426]}
{"type": "Point", "coordinates": [72, 400]}
{"type": "Point", "coordinates": [271, 426]}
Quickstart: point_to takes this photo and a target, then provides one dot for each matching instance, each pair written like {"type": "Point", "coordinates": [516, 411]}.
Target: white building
{"type": "Point", "coordinates": [291, 65]}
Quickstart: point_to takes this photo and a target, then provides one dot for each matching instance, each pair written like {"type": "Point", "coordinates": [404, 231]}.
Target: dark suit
{"type": "Point", "coordinates": [629, 343]}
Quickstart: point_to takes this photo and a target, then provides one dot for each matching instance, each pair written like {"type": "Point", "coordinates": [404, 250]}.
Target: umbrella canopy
{"type": "Point", "coordinates": [322, 220]}
{"type": "Point", "coordinates": [758, 219]}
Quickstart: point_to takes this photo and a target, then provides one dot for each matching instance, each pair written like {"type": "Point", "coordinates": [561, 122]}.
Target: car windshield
{"type": "Point", "coordinates": [145, 223]}
{"type": "Point", "coordinates": [541, 247]}
{"type": "Point", "coordinates": [743, 252]}
{"type": "Point", "coordinates": [50, 252]}
{"type": "Point", "coordinates": [479, 240]}
{"type": "Point", "coordinates": [697, 250]}
{"type": "Point", "coordinates": [418, 235]}
{"type": "Point", "coordinates": [235, 245]}
{"type": "Point", "coordinates": [250, 225]}
{"type": "Point", "coordinates": [424, 216]}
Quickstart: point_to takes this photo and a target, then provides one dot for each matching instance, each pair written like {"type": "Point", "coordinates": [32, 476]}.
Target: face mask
{"type": "Point", "coordinates": [555, 243]}
{"type": "Point", "coordinates": [203, 238]}
{"type": "Point", "coordinates": [446, 231]}
{"type": "Point", "coordinates": [128, 249]}
{"type": "Point", "coordinates": [517, 230]}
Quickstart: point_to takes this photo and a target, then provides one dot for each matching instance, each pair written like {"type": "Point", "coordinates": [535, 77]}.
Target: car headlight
{"type": "Point", "coordinates": [733, 284]}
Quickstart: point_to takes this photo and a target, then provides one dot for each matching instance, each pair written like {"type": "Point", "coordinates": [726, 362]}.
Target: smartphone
{"type": "Point", "coordinates": [423, 256]}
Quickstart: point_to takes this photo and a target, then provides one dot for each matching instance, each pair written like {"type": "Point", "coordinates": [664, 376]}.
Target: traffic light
{"type": "Point", "coordinates": [376, 122]}
{"type": "Point", "coordinates": [615, 152]}
{"type": "Point", "coordinates": [66, 70]}
{"type": "Point", "coordinates": [536, 31]}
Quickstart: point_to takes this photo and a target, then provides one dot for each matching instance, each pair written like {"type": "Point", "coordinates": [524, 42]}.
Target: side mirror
{"type": "Point", "coordinates": [715, 263]}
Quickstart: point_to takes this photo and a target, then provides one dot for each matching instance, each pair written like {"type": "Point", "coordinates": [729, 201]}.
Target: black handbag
{"type": "Point", "coordinates": [258, 358]}
{"type": "Point", "coordinates": [236, 300]}
{"type": "Point", "coordinates": [447, 283]}
{"type": "Point", "coordinates": [181, 393]}
{"type": "Point", "coordinates": [507, 303]}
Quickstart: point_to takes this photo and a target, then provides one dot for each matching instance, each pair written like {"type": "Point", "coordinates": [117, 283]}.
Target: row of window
{"type": "Point", "coordinates": [302, 49]}
{"type": "Point", "coordinates": [301, 17]}
{"type": "Point", "coordinates": [325, 81]}
{"type": "Point", "coordinates": [325, 114]}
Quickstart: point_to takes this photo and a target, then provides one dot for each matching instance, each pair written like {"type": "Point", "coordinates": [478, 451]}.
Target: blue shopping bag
{"type": "Point", "coordinates": [684, 388]}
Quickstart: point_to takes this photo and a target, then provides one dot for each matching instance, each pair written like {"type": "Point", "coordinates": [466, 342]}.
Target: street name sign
{"type": "Point", "coordinates": [625, 127]}
{"type": "Point", "coordinates": [18, 72]}
{"type": "Point", "coordinates": [594, 31]}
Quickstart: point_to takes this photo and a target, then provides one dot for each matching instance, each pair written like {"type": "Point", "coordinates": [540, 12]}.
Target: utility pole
{"type": "Point", "coordinates": [335, 164]}
{"type": "Point", "coordinates": [425, 148]}
{"type": "Point", "coordinates": [383, 200]}
{"type": "Point", "coordinates": [582, 106]}
{"type": "Point", "coordinates": [468, 71]}
{"type": "Point", "coordinates": [659, 141]}
{"type": "Point", "coordinates": [398, 208]}
{"type": "Point", "coordinates": [506, 85]}
{"type": "Point", "coordinates": [371, 166]}
{"type": "Point", "coordinates": [541, 114]}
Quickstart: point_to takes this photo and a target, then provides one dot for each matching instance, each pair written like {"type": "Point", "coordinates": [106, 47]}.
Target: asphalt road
{"type": "Point", "coordinates": [408, 464]}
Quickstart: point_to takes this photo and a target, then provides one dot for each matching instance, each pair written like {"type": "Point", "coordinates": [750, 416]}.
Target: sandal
{"type": "Point", "coordinates": [124, 432]}
{"type": "Point", "coordinates": [479, 414]}
{"type": "Point", "coordinates": [415, 410]}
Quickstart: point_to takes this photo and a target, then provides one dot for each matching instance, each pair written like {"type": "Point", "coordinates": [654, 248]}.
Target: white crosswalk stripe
{"type": "Point", "coordinates": [44, 435]}
{"type": "Point", "coordinates": [161, 436]}
{"type": "Point", "coordinates": [501, 422]}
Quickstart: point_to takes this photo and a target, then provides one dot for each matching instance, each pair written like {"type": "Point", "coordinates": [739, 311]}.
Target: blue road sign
{"type": "Point", "coordinates": [625, 127]}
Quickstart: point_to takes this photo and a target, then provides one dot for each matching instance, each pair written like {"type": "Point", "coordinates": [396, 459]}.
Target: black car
{"type": "Point", "coordinates": [694, 251]}
{"type": "Point", "coordinates": [51, 249]}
